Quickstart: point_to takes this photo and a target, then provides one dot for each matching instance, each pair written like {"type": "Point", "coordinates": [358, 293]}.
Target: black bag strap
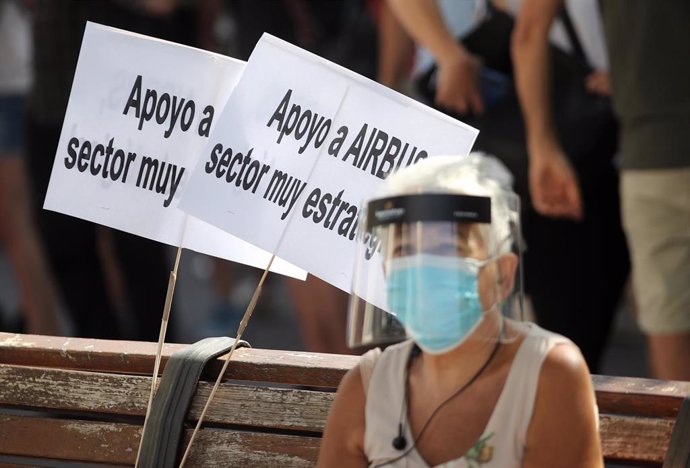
{"type": "Point", "coordinates": [678, 453]}
{"type": "Point", "coordinates": [578, 50]}
{"type": "Point", "coordinates": [165, 423]}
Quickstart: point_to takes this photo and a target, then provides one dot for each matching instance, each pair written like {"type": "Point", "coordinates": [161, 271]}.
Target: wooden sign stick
{"type": "Point", "coordinates": [240, 330]}
{"type": "Point", "coordinates": [161, 340]}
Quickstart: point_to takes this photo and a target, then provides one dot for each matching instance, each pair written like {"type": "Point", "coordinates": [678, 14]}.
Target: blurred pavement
{"type": "Point", "coordinates": [273, 324]}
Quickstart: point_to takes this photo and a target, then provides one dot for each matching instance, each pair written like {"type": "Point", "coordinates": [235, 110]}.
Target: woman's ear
{"type": "Point", "coordinates": [507, 266]}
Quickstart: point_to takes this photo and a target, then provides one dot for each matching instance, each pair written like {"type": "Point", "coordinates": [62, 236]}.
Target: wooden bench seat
{"type": "Point", "coordinates": [83, 400]}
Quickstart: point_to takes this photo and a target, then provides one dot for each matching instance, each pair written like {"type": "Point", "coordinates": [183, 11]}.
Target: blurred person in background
{"type": "Point", "coordinates": [38, 300]}
{"type": "Point", "coordinates": [113, 283]}
{"type": "Point", "coordinates": [650, 81]}
{"type": "Point", "coordinates": [396, 52]}
{"type": "Point", "coordinates": [576, 263]}
{"type": "Point", "coordinates": [650, 85]}
{"type": "Point", "coordinates": [345, 33]}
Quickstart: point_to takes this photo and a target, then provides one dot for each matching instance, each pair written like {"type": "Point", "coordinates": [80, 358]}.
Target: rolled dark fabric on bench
{"type": "Point", "coordinates": [165, 424]}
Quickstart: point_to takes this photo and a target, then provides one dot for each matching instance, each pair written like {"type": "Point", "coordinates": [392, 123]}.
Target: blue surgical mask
{"type": "Point", "coordinates": [436, 298]}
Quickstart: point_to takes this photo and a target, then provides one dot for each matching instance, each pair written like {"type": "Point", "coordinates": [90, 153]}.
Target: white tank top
{"type": "Point", "coordinates": [503, 442]}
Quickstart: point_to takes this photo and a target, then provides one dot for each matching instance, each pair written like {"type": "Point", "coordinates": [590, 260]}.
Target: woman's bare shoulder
{"type": "Point", "coordinates": [351, 386]}
{"type": "Point", "coordinates": [565, 399]}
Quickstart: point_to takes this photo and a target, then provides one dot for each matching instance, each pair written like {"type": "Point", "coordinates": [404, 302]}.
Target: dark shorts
{"type": "Point", "coordinates": [12, 124]}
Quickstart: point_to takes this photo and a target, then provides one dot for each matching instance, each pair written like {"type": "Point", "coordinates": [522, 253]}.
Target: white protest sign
{"type": "Point", "coordinates": [301, 143]}
{"type": "Point", "coordinates": [139, 115]}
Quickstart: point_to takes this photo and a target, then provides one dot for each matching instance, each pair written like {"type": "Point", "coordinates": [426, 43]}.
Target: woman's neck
{"type": "Point", "coordinates": [462, 362]}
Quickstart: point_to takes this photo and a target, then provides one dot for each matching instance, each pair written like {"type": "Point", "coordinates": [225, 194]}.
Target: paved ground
{"type": "Point", "coordinates": [273, 324]}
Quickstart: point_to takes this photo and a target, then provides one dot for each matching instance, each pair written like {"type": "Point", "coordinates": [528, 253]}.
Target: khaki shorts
{"type": "Point", "coordinates": [656, 217]}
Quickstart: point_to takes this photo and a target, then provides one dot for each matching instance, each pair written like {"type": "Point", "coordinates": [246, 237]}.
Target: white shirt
{"type": "Point", "coordinates": [503, 441]}
{"type": "Point", "coordinates": [462, 16]}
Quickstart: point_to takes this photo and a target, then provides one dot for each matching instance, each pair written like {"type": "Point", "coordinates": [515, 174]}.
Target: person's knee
{"type": "Point", "coordinates": [12, 222]}
{"type": "Point", "coordinates": [14, 183]}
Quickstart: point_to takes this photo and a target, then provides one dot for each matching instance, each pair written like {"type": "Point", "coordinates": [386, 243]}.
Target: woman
{"type": "Point", "coordinates": [471, 388]}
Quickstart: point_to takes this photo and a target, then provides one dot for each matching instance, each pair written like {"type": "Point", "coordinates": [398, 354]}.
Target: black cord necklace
{"type": "Point", "coordinates": [415, 352]}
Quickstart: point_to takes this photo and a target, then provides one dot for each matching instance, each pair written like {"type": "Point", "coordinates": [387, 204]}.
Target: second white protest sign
{"type": "Point", "coordinates": [301, 143]}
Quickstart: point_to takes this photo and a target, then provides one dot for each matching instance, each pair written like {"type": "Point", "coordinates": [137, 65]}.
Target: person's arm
{"type": "Point", "coordinates": [395, 48]}
{"type": "Point", "coordinates": [599, 82]}
{"type": "Point", "coordinates": [343, 437]}
{"type": "Point", "coordinates": [563, 431]}
{"type": "Point", "coordinates": [207, 12]}
{"type": "Point", "coordinates": [306, 26]}
{"type": "Point", "coordinates": [552, 180]}
{"type": "Point", "coordinates": [458, 70]}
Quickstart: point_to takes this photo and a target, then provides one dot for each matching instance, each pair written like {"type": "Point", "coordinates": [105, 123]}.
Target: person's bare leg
{"type": "Point", "coordinates": [321, 311]}
{"type": "Point", "coordinates": [669, 356]}
{"type": "Point", "coordinates": [223, 278]}
{"type": "Point", "coordinates": [114, 280]}
{"type": "Point", "coordinates": [18, 235]}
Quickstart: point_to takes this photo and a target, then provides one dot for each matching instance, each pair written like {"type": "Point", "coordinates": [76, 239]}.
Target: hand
{"type": "Point", "coordinates": [305, 25]}
{"type": "Point", "coordinates": [599, 82]}
{"type": "Point", "coordinates": [458, 83]}
{"type": "Point", "coordinates": [553, 184]}
{"type": "Point", "coordinates": [159, 7]}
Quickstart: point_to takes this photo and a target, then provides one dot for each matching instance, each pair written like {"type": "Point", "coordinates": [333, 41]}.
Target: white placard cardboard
{"type": "Point", "coordinates": [300, 145]}
{"type": "Point", "coordinates": [138, 118]}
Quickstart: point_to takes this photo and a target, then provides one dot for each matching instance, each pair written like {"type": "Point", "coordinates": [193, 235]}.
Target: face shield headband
{"type": "Point", "coordinates": [428, 207]}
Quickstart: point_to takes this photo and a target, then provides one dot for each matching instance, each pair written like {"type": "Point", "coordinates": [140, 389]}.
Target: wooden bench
{"type": "Point", "coordinates": [81, 400]}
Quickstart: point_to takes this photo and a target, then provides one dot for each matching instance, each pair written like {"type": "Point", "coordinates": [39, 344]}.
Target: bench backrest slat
{"type": "Point", "coordinates": [126, 396]}
{"type": "Point", "coordinates": [215, 447]}
{"type": "Point", "coordinates": [628, 438]}
{"type": "Point", "coordinates": [634, 438]}
{"type": "Point", "coordinates": [134, 357]}
{"type": "Point", "coordinates": [73, 439]}
{"type": "Point", "coordinates": [117, 443]}
{"type": "Point", "coordinates": [642, 397]}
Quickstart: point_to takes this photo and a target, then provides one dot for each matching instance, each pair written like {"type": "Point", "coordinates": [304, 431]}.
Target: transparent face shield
{"type": "Point", "coordinates": [433, 267]}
